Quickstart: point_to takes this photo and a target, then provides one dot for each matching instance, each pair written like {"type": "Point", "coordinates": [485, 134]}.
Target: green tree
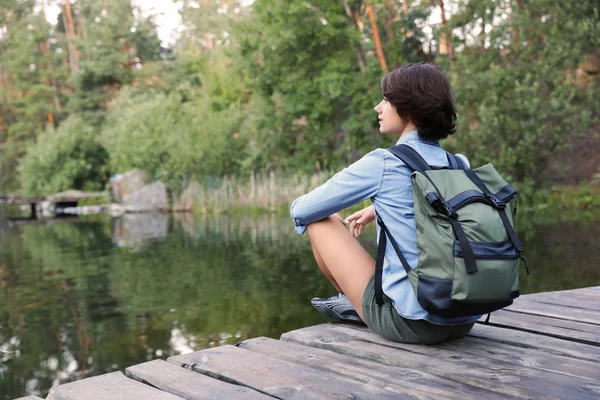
{"type": "Point", "coordinates": [314, 66]}
{"type": "Point", "coordinates": [107, 56]}
{"type": "Point", "coordinates": [173, 139]}
{"type": "Point", "coordinates": [68, 157]}
{"type": "Point", "coordinates": [516, 83]}
{"type": "Point", "coordinates": [30, 95]}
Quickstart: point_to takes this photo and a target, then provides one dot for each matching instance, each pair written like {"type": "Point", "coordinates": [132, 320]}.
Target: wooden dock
{"type": "Point", "coordinates": [546, 345]}
{"type": "Point", "coordinates": [69, 198]}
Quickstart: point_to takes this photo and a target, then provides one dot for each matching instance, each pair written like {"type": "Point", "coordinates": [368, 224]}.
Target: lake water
{"type": "Point", "coordinates": [88, 296]}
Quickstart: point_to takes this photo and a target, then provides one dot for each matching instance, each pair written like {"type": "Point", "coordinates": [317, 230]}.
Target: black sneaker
{"type": "Point", "coordinates": [336, 307]}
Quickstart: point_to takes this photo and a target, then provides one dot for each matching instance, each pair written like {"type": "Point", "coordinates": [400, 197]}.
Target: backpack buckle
{"type": "Point", "coordinates": [496, 201]}
{"type": "Point", "coordinates": [443, 207]}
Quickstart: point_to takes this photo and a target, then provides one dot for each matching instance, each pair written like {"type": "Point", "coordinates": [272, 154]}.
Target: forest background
{"type": "Point", "coordinates": [257, 92]}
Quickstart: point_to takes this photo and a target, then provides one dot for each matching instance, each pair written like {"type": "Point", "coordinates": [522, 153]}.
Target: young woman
{"type": "Point", "coordinates": [418, 107]}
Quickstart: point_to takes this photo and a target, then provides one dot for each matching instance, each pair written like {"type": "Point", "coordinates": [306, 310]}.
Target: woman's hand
{"type": "Point", "coordinates": [359, 219]}
{"type": "Point", "coordinates": [338, 217]}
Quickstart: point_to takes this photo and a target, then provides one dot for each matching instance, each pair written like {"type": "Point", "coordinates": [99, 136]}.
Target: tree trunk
{"type": "Point", "coordinates": [376, 38]}
{"type": "Point", "coordinates": [390, 29]}
{"type": "Point", "coordinates": [352, 17]}
{"type": "Point", "coordinates": [45, 47]}
{"type": "Point", "coordinates": [70, 31]}
{"type": "Point", "coordinates": [82, 32]}
{"type": "Point", "coordinates": [5, 77]}
{"type": "Point", "coordinates": [482, 33]}
{"type": "Point", "coordinates": [128, 58]}
{"type": "Point", "coordinates": [446, 46]}
{"type": "Point", "coordinates": [430, 55]}
{"type": "Point", "coordinates": [516, 31]}
{"type": "Point", "coordinates": [403, 30]}
{"type": "Point", "coordinates": [389, 19]}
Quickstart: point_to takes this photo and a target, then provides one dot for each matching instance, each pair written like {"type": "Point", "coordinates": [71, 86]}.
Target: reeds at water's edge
{"type": "Point", "coordinates": [268, 191]}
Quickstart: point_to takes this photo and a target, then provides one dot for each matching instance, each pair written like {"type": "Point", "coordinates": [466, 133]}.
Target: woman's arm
{"type": "Point", "coordinates": [358, 182]}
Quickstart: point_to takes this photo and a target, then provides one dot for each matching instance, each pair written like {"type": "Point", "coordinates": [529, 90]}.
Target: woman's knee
{"type": "Point", "coordinates": [331, 221]}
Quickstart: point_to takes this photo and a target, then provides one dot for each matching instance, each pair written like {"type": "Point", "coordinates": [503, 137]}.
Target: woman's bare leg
{"type": "Point", "coordinates": [323, 267]}
{"type": "Point", "coordinates": [348, 263]}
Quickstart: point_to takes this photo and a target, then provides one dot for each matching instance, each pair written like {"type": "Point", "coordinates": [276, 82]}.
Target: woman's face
{"type": "Point", "coordinates": [389, 120]}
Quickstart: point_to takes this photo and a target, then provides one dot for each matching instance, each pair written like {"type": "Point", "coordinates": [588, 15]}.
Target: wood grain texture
{"type": "Point", "coordinates": [526, 357]}
{"type": "Point", "coordinates": [188, 384]}
{"type": "Point", "coordinates": [472, 369]}
{"type": "Point", "coordinates": [588, 293]}
{"type": "Point", "coordinates": [406, 381]}
{"type": "Point", "coordinates": [559, 328]}
{"type": "Point", "coordinates": [572, 299]}
{"type": "Point", "coordinates": [556, 311]}
{"type": "Point", "coordinates": [528, 340]}
{"type": "Point", "coordinates": [275, 377]}
{"type": "Point", "coordinates": [113, 386]}
{"type": "Point", "coordinates": [593, 291]}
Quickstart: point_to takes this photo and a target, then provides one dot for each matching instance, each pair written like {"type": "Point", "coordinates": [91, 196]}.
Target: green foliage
{"type": "Point", "coordinates": [291, 86]}
{"type": "Point", "coordinates": [29, 72]}
{"type": "Point", "coordinates": [28, 69]}
{"type": "Point", "coordinates": [302, 58]}
{"type": "Point", "coordinates": [519, 102]}
{"type": "Point", "coordinates": [69, 157]}
{"type": "Point", "coordinates": [146, 42]}
{"type": "Point", "coordinates": [520, 127]}
{"type": "Point", "coordinates": [171, 139]}
{"type": "Point", "coordinates": [108, 63]}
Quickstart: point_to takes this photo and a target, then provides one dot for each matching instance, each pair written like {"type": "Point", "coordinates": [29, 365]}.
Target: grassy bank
{"type": "Point", "coordinates": [274, 193]}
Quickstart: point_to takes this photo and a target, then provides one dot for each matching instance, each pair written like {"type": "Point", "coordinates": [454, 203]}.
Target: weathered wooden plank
{"type": "Point", "coordinates": [556, 311]}
{"type": "Point", "coordinates": [547, 344]}
{"type": "Point", "coordinates": [555, 327]}
{"type": "Point", "coordinates": [29, 398]}
{"type": "Point", "coordinates": [476, 370]}
{"type": "Point", "coordinates": [588, 289]}
{"type": "Point", "coordinates": [519, 343]}
{"type": "Point", "coordinates": [275, 377]}
{"type": "Point", "coordinates": [187, 384]}
{"type": "Point", "coordinates": [568, 300]}
{"type": "Point", "coordinates": [592, 290]}
{"type": "Point", "coordinates": [113, 386]}
{"type": "Point", "coordinates": [405, 381]}
{"type": "Point", "coordinates": [529, 358]}
{"type": "Point", "coordinates": [589, 292]}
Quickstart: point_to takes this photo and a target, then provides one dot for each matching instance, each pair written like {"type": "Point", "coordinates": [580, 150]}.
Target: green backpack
{"type": "Point", "coordinates": [468, 250]}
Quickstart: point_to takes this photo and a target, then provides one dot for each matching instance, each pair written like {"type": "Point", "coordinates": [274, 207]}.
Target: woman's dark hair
{"type": "Point", "coordinates": [421, 93]}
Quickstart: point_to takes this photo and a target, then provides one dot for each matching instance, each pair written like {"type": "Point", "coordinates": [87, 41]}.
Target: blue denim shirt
{"type": "Point", "coordinates": [383, 178]}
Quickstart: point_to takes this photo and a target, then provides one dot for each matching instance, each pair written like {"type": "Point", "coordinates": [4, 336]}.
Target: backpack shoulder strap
{"type": "Point", "coordinates": [455, 162]}
{"type": "Point", "coordinates": [452, 162]}
{"type": "Point", "coordinates": [410, 157]}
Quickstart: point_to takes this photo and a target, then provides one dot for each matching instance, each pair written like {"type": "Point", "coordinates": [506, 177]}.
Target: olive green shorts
{"type": "Point", "coordinates": [385, 321]}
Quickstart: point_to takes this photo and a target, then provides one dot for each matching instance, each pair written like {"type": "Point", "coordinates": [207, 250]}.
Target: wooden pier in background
{"type": "Point", "coordinates": [546, 345]}
{"type": "Point", "coordinates": [64, 199]}
{"type": "Point", "coordinates": [32, 202]}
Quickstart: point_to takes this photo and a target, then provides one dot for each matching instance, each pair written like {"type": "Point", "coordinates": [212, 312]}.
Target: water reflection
{"type": "Point", "coordinates": [85, 298]}
{"type": "Point", "coordinates": [133, 230]}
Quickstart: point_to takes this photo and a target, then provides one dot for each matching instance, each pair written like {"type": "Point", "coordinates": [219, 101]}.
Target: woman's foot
{"type": "Point", "coordinates": [336, 307]}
